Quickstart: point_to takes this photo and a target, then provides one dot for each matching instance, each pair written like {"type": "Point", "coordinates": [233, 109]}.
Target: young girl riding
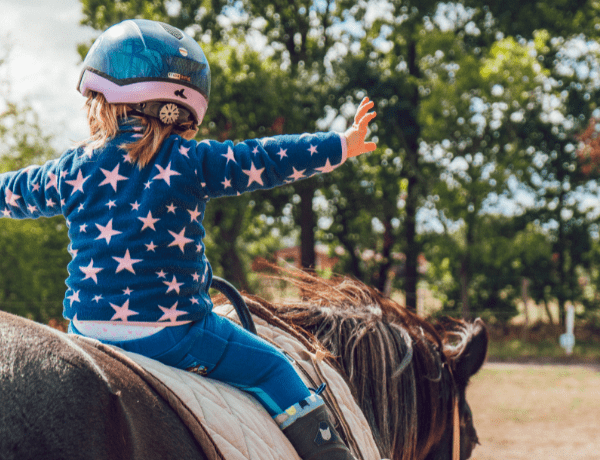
{"type": "Point", "coordinates": [134, 196]}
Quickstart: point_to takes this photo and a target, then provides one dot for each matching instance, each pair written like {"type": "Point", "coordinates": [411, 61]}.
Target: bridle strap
{"type": "Point", "coordinates": [456, 431]}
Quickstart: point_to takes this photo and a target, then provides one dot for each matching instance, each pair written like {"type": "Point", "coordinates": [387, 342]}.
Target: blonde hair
{"type": "Point", "coordinates": [103, 119]}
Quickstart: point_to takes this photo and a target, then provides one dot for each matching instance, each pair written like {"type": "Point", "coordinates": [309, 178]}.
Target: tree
{"type": "Point", "coordinates": [33, 253]}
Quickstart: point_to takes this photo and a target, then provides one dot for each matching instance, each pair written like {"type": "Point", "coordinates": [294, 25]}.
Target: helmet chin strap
{"type": "Point", "coordinates": [169, 113]}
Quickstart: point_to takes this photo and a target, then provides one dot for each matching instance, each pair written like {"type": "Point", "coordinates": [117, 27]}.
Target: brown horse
{"type": "Point", "coordinates": [60, 401]}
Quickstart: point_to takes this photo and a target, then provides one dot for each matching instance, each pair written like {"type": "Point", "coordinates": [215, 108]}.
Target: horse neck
{"type": "Point", "coordinates": [400, 397]}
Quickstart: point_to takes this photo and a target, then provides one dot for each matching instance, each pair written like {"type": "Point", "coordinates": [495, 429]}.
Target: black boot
{"type": "Point", "coordinates": [314, 437]}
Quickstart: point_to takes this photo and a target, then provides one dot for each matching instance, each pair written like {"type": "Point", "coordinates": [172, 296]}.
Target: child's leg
{"type": "Point", "coordinates": [233, 355]}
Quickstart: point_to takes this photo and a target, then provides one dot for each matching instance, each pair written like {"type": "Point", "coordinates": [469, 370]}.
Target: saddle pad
{"type": "Point", "coordinates": [240, 428]}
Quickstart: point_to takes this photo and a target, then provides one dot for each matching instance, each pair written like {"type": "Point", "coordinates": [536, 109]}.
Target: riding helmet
{"type": "Point", "coordinates": [157, 68]}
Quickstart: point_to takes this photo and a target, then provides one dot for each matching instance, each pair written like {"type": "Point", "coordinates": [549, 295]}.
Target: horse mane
{"type": "Point", "coordinates": [398, 365]}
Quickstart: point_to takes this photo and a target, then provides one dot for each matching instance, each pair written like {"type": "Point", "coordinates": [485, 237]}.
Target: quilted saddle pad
{"type": "Point", "coordinates": [238, 426]}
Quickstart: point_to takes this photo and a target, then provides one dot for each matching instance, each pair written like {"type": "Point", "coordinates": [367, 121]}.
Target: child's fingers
{"type": "Point", "coordinates": [370, 146]}
{"type": "Point", "coordinates": [366, 119]}
{"type": "Point", "coordinates": [363, 108]}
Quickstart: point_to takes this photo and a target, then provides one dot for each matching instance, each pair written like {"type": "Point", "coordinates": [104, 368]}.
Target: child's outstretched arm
{"type": "Point", "coordinates": [31, 192]}
{"type": "Point", "coordinates": [355, 135]}
{"type": "Point", "coordinates": [228, 169]}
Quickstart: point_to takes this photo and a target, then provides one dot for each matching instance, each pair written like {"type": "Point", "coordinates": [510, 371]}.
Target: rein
{"type": "Point", "coordinates": [456, 431]}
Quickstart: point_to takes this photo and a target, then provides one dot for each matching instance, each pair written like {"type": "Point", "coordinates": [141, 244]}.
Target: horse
{"type": "Point", "coordinates": [409, 376]}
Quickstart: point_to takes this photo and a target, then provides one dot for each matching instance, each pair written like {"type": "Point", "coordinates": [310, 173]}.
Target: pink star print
{"type": "Point", "coordinates": [312, 149]}
{"type": "Point", "coordinates": [107, 232]}
{"type": "Point", "coordinates": [11, 198]}
{"type": "Point", "coordinates": [180, 239]}
{"type": "Point", "coordinates": [166, 173]}
{"type": "Point", "coordinates": [173, 285]}
{"type": "Point", "coordinates": [282, 153]}
{"type": "Point", "coordinates": [184, 151]}
{"type": "Point", "coordinates": [148, 221]}
{"type": "Point", "coordinates": [151, 247]}
{"type": "Point", "coordinates": [297, 174]}
{"type": "Point", "coordinates": [327, 168]}
{"type": "Point", "coordinates": [112, 177]}
{"type": "Point", "coordinates": [194, 214]}
{"type": "Point", "coordinates": [74, 297]}
{"type": "Point", "coordinates": [171, 314]}
{"type": "Point", "coordinates": [226, 183]}
{"type": "Point", "coordinates": [6, 212]}
{"type": "Point", "coordinates": [123, 312]}
{"type": "Point", "coordinates": [254, 174]}
{"type": "Point", "coordinates": [53, 182]}
{"type": "Point", "coordinates": [78, 182]}
{"type": "Point", "coordinates": [91, 271]}
{"type": "Point", "coordinates": [126, 262]}
{"type": "Point", "coordinates": [229, 155]}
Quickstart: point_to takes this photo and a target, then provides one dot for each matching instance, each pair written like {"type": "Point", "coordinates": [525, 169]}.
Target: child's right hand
{"type": "Point", "coordinates": [355, 135]}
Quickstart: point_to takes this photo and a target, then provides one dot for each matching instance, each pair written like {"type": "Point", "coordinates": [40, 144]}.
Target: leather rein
{"type": "Point", "coordinates": [456, 431]}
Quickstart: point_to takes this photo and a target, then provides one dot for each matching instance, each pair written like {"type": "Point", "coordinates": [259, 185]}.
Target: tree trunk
{"type": "Point", "coordinates": [306, 191]}
{"type": "Point", "coordinates": [525, 298]}
{"type": "Point", "coordinates": [464, 288]}
{"type": "Point", "coordinates": [386, 252]}
{"type": "Point", "coordinates": [561, 248]}
{"type": "Point", "coordinates": [233, 268]}
{"type": "Point", "coordinates": [411, 136]}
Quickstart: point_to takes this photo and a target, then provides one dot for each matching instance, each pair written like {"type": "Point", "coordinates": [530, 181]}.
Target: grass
{"type": "Point", "coordinates": [544, 350]}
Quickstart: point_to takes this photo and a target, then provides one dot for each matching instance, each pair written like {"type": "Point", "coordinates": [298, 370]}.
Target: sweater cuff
{"type": "Point", "coordinates": [344, 149]}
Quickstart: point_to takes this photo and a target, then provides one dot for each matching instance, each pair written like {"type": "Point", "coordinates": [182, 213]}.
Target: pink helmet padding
{"type": "Point", "coordinates": [146, 91]}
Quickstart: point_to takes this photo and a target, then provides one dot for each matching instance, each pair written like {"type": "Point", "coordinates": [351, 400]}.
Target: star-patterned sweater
{"type": "Point", "coordinates": [136, 234]}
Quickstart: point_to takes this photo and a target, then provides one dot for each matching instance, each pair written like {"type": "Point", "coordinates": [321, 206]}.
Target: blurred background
{"type": "Point", "coordinates": [482, 199]}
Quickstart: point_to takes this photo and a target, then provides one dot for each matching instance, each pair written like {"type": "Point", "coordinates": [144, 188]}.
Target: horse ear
{"type": "Point", "coordinates": [473, 355]}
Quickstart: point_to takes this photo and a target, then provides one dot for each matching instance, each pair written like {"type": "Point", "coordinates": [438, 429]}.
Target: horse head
{"type": "Point", "coordinates": [406, 373]}
{"type": "Point", "coordinates": [465, 346]}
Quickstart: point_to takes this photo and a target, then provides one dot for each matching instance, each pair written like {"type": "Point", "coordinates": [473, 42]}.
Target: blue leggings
{"type": "Point", "coordinates": [229, 354]}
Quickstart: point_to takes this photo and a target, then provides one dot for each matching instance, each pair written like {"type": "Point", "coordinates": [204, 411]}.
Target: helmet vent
{"type": "Point", "coordinates": [172, 30]}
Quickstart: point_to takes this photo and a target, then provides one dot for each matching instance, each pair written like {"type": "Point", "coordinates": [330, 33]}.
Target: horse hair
{"type": "Point", "coordinates": [397, 364]}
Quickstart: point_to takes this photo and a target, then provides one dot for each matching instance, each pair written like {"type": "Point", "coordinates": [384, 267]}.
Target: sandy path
{"type": "Point", "coordinates": [536, 412]}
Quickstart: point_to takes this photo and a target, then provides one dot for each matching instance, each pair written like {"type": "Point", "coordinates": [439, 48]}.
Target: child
{"type": "Point", "coordinates": [134, 196]}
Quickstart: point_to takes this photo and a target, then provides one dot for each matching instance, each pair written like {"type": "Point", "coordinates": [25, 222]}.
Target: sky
{"type": "Point", "coordinates": [44, 65]}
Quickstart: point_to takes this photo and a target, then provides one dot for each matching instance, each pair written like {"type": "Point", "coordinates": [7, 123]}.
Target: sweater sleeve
{"type": "Point", "coordinates": [31, 192]}
{"type": "Point", "coordinates": [231, 169]}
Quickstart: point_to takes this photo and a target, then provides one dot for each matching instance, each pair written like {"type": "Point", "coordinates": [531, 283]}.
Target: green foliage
{"type": "Point", "coordinates": [33, 253]}
{"type": "Point", "coordinates": [473, 113]}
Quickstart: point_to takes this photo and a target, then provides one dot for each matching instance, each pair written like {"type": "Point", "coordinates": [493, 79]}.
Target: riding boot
{"type": "Point", "coordinates": [309, 429]}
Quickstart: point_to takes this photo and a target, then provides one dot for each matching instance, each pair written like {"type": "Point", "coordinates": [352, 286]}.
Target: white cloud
{"type": "Point", "coordinates": [44, 64]}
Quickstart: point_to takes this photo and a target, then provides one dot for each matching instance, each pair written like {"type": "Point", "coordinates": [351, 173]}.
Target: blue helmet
{"type": "Point", "coordinates": [157, 68]}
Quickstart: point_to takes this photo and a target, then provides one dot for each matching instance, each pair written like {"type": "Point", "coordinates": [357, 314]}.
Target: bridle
{"type": "Point", "coordinates": [456, 430]}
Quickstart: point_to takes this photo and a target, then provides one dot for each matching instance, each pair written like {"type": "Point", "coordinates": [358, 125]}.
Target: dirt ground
{"type": "Point", "coordinates": [536, 412]}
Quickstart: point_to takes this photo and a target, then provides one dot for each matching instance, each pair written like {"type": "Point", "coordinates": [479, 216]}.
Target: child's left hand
{"type": "Point", "coordinates": [355, 135]}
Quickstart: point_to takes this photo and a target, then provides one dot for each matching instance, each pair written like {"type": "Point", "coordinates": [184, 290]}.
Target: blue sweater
{"type": "Point", "coordinates": [136, 234]}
